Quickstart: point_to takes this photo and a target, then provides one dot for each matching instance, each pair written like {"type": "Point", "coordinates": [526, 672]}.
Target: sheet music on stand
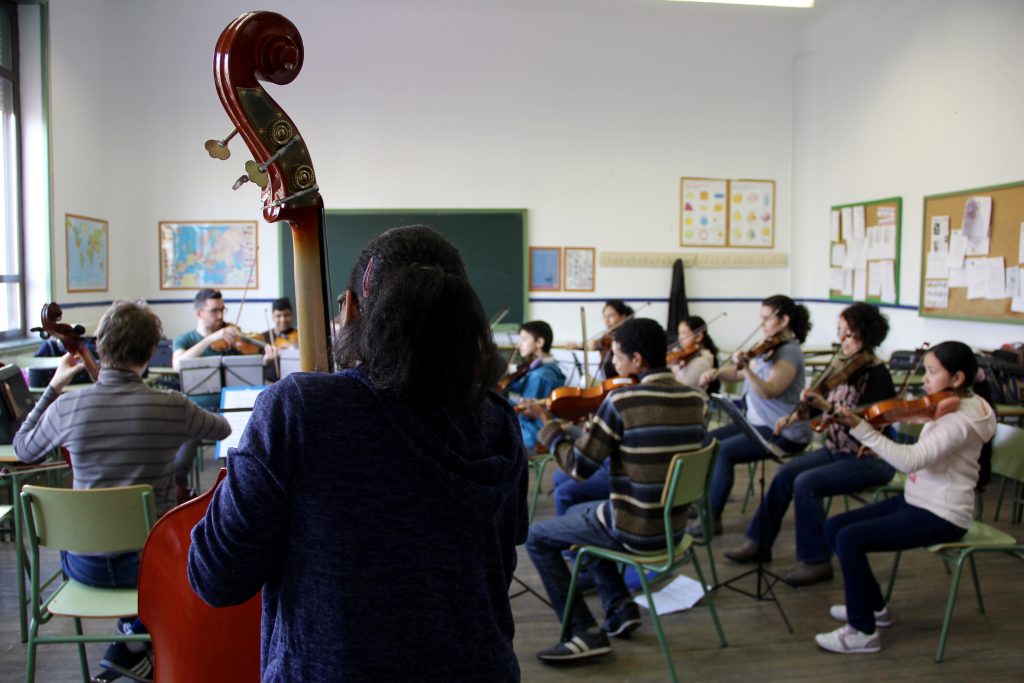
{"type": "Point", "coordinates": [571, 362]}
{"type": "Point", "coordinates": [740, 420]}
{"type": "Point", "coordinates": [236, 405]}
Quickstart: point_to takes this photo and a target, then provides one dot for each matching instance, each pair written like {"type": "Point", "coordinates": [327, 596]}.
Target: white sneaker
{"type": "Point", "coordinates": [883, 618]}
{"type": "Point", "coordinates": [847, 640]}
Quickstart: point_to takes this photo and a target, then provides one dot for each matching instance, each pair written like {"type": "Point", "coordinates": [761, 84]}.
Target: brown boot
{"type": "Point", "coordinates": [748, 552]}
{"type": "Point", "coordinates": [805, 574]}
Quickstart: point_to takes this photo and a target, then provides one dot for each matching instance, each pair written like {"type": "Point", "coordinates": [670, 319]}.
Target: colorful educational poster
{"type": "Point", "coordinates": [704, 206]}
{"type": "Point", "coordinates": [216, 255]}
{"type": "Point", "coordinates": [545, 269]}
{"type": "Point", "coordinates": [87, 253]}
{"type": "Point", "coordinates": [752, 213]}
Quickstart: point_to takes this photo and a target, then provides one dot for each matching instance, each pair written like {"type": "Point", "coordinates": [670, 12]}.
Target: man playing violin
{"type": "Point", "coordinates": [658, 417]}
{"type": "Point", "coordinates": [119, 432]}
{"type": "Point", "coordinates": [857, 378]}
{"type": "Point", "coordinates": [282, 335]}
{"type": "Point", "coordinates": [541, 373]}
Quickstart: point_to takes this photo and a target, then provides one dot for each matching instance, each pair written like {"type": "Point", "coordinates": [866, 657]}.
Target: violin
{"type": "Point", "coordinates": [924, 409]}
{"type": "Point", "coordinates": [682, 355]}
{"type": "Point", "coordinates": [515, 375]}
{"type": "Point", "coordinates": [572, 403]}
{"type": "Point", "coordinates": [70, 336]}
{"type": "Point", "coordinates": [286, 340]}
{"type": "Point", "coordinates": [764, 348]}
{"type": "Point", "coordinates": [244, 344]}
{"type": "Point", "coordinates": [830, 378]}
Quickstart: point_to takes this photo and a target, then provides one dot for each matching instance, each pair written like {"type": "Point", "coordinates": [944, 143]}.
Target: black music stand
{"type": "Point", "coordinates": [765, 579]}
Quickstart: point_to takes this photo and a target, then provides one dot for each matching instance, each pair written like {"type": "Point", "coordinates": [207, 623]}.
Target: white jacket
{"type": "Point", "coordinates": [942, 467]}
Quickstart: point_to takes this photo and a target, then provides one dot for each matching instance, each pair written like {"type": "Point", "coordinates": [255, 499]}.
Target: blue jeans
{"type": "Point", "coordinates": [806, 480]}
{"type": "Point", "coordinates": [886, 526]}
{"type": "Point", "coordinates": [734, 448]}
{"type": "Point", "coordinates": [120, 570]}
{"type": "Point", "coordinates": [569, 492]}
{"type": "Point", "coordinates": [578, 526]}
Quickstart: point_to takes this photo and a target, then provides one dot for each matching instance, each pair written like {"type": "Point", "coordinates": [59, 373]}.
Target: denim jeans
{"type": "Point", "coordinates": [889, 525]}
{"type": "Point", "coordinates": [569, 492]}
{"type": "Point", "coordinates": [120, 570]}
{"type": "Point", "coordinates": [734, 448]}
{"type": "Point", "coordinates": [578, 526]}
{"type": "Point", "coordinates": [806, 480]}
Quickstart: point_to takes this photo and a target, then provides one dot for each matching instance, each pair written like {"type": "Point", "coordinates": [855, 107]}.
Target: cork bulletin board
{"type": "Point", "coordinates": [864, 251]}
{"type": "Point", "coordinates": [987, 287]}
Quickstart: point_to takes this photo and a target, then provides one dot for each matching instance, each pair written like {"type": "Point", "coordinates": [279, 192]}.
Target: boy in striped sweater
{"type": "Point", "coordinates": [638, 429]}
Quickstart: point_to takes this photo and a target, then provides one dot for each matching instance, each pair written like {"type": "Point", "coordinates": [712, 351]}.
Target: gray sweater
{"type": "Point", "coordinates": [119, 432]}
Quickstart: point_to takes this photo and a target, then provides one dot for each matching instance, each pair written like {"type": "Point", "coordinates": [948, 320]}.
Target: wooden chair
{"type": "Point", "coordinates": [82, 521]}
{"type": "Point", "coordinates": [680, 491]}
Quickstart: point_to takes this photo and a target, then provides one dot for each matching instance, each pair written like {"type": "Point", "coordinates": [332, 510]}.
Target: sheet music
{"type": "Point", "coordinates": [231, 399]}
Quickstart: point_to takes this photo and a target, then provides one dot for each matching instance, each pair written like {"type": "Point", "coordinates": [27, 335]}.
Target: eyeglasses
{"type": "Point", "coordinates": [221, 309]}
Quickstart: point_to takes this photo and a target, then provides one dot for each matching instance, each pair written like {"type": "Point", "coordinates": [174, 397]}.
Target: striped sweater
{"type": "Point", "coordinates": [119, 432]}
{"type": "Point", "coordinates": [639, 429]}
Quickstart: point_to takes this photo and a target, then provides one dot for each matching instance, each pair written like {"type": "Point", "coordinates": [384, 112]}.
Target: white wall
{"type": "Point", "coordinates": [584, 112]}
{"type": "Point", "coordinates": [903, 98]}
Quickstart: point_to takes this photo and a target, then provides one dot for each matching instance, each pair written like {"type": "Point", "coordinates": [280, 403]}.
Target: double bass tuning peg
{"type": "Point", "coordinates": [218, 149]}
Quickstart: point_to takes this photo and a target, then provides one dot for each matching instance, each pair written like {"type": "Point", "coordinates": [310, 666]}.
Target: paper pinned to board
{"type": "Point", "coordinates": [888, 282]}
{"type": "Point", "coordinates": [936, 294]}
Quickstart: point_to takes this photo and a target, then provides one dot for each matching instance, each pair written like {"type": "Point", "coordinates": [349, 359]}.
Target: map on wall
{"type": "Point", "coordinates": [87, 253]}
{"type": "Point", "coordinates": [752, 213]}
{"type": "Point", "coordinates": [216, 255]}
{"type": "Point", "coordinates": [704, 212]}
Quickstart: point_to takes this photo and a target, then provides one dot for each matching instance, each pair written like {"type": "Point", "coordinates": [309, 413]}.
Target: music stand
{"type": "Point", "coordinates": [765, 578]}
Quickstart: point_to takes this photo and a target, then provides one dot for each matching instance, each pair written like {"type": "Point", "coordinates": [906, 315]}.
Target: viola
{"type": "Point", "coordinates": [924, 409]}
{"type": "Point", "coordinates": [514, 376]}
{"type": "Point", "coordinates": [572, 403]}
{"type": "Point", "coordinates": [70, 336]}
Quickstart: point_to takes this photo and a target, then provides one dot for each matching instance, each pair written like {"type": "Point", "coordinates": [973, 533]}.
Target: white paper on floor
{"type": "Point", "coordinates": [682, 593]}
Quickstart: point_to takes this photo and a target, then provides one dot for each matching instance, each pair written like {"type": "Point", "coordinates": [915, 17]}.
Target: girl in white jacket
{"type": "Point", "coordinates": [938, 500]}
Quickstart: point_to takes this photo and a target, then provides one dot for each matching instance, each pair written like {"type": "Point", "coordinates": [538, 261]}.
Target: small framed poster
{"type": "Point", "coordinates": [703, 210]}
{"type": "Point", "coordinates": [545, 269]}
{"type": "Point", "coordinates": [579, 269]}
{"type": "Point", "coordinates": [87, 253]}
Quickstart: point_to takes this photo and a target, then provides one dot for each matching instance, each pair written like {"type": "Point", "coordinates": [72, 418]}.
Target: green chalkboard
{"type": "Point", "coordinates": [492, 242]}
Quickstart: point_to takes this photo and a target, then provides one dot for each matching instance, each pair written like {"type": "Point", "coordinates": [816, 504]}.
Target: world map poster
{"type": "Point", "coordinates": [214, 255]}
{"type": "Point", "coordinates": [87, 253]}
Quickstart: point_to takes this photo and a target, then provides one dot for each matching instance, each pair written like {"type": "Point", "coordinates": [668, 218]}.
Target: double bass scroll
{"type": "Point", "coordinates": [265, 46]}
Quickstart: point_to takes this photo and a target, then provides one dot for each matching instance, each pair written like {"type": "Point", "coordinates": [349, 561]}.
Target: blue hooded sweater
{"type": "Point", "coordinates": [383, 538]}
{"type": "Point", "coordinates": [537, 383]}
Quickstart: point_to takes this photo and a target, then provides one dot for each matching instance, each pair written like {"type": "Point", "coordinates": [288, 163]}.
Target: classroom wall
{"type": "Point", "coordinates": [584, 113]}
{"type": "Point", "coordinates": [907, 98]}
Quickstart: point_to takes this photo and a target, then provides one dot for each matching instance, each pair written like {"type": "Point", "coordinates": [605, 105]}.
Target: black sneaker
{"type": "Point", "coordinates": [105, 676]}
{"type": "Point", "coordinates": [137, 666]}
{"type": "Point", "coordinates": [582, 645]}
{"type": "Point", "coordinates": [622, 621]}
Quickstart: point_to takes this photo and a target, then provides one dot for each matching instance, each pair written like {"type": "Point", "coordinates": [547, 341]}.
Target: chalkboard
{"type": "Point", "coordinates": [492, 242]}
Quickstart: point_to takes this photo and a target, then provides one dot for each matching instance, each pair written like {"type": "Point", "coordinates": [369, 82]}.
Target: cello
{"type": "Point", "coordinates": [69, 335]}
{"type": "Point", "coordinates": [191, 640]}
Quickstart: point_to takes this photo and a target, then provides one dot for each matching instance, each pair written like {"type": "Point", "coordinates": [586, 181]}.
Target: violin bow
{"type": "Point", "coordinates": [700, 328]}
{"type": "Point", "coordinates": [918, 357]}
{"type": "Point", "coordinates": [586, 364]}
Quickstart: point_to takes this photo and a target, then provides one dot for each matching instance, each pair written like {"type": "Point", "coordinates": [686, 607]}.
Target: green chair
{"type": "Point", "coordinates": [980, 538]}
{"type": "Point", "coordinates": [1008, 462]}
{"type": "Point", "coordinates": [83, 521]}
{"type": "Point", "coordinates": [537, 463]}
{"type": "Point", "coordinates": [689, 475]}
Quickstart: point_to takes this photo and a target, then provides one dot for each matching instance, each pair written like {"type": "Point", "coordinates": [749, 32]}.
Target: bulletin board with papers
{"type": "Point", "coordinates": [972, 254]}
{"type": "Point", "coordinates": [864, 251]}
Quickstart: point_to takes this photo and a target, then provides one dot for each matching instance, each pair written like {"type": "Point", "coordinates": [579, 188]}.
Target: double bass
{"type": "Point", "coordinates": [191, 640]}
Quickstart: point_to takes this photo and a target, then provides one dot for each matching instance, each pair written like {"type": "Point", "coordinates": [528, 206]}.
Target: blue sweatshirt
{"type": "Point", "coordinates": [383, 539]}
{"type": "Point", "coordinates": [537, 383]}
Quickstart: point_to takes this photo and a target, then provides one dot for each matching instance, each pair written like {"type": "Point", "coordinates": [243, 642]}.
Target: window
{"type": "Point", "coordinates": [12, 290]}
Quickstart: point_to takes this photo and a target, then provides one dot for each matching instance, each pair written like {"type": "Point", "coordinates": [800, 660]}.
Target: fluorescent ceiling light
{"type": "Point", "coordinates": [769, 3]}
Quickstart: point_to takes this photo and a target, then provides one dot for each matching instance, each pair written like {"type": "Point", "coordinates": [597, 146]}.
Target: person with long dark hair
{"type": "Point", "coordinates": [693, 334]}
{"type": "Point", "coordinates": [937, 505]}
{"type": "Point", "coordinates": [833, 469]}
{"type": "Point", "coordinates": [387, 495]}
{"type": "Point", "coordinates": [772, 382]}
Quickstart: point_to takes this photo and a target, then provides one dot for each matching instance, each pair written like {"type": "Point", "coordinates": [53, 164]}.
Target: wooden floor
{"type": "Point", "coordinates": [982, 647]}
